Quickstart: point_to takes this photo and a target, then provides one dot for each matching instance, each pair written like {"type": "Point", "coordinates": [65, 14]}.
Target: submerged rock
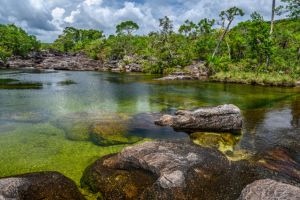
{"type": "Point", "coordinates": [43, 185]}
{"type": "Point", "coordinates": [222, 141]}
{"type": "Point", "coordinates": [112, 133]}
{"type": "Point", "coordinates": [280, 160]}
{"type": "Point", "coordinates": [270, 189]}
{"type": "Point", "coordinates": [99, 127]}
{"type": "Point", "coordinates": [225, 118]}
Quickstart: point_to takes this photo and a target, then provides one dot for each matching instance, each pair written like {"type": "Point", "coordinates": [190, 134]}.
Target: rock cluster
{"type": "Point", "coordinates": [172, 170]}
{"type": "Point", "coordinates": [49, 60]}
{"type": "Point", "coordinates": [195, 71]}
{"type": "Point", "coordinates": [74, 62]}
{"type": "Point", "coordinates": [225, 118]}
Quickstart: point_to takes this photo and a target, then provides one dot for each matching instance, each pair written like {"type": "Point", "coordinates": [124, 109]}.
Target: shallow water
{"type": "Point", "coordinates": [33, 139]}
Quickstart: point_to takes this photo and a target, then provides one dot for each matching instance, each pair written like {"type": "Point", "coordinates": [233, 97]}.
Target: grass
{"type": "Point", "coordinates": [268, 79]}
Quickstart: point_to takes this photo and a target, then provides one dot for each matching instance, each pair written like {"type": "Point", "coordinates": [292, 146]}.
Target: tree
{"type": "Point", "coordinates": [259, 38]}
{"type": "Point", "coordinates": [127, 27]}
{"type": "Point", "coordinates": [73, 39]}
{"type": "Point", "coordinates": [205, 25]}
{"type": "Point", "coordinates": [228, 15]}
{"type": "Point", "coordinates": [273, 16]}
{"type": "Point", "coordinates": [15, 41]}
{"type": "Point", "coordinates": [188, 28]}
{"type": "Point", "coordinates": [292, 7]}
{"type": "Point", "coordinates": [166, 25]}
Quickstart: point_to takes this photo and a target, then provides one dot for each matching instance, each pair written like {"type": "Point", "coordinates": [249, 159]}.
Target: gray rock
{"type": "Point", "coordinates": [224, 118]}
{"type": "Point", "coordinates": [57, 61]}
{"type": "Point", "coordinates": [43, 185]}
{"type": "Point", "coordinates": [177, 76]}
{"type": "Point", "coordinates": [267, 189]}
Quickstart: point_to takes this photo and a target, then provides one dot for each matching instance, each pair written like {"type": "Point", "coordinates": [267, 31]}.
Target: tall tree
{"type": "Point", "coordinates": [228, 15]}
{"type": "Point", "coordinates": [273, 16]}
{"type": "Point", "coordinates": [166, 25]}
{"type": "Point", "coordinates": [127, 27]}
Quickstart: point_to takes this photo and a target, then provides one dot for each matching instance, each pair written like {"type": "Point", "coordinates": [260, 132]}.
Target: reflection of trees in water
{"type": "Point", "coordinates": [295, 107]}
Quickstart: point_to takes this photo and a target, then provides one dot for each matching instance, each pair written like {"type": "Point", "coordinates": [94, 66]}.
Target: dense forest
{"type": "Point", "coordinates": [255, 49]}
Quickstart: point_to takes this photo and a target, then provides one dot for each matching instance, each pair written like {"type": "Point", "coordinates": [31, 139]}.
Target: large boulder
{"type": "Point", "coordinates": [267, 189]}
{"type": "Point", "coordinates": [171, 170]}
{"type": "Point", "coordinates": [43, 185]}
{"type": "Point", "coordinates": [224, 118]}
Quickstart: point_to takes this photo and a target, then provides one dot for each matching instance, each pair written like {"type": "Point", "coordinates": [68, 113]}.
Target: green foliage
{"type": "Point", "coordinates": [292, 8]}
{"type": "Point", "coordinates": [126, 27]}
{"type": "Point", "coordinates": [74, 39]}
{"type": "Point", "coordinates": [15, 41]}
{"type": "Point", "coordinates": [248, 47]}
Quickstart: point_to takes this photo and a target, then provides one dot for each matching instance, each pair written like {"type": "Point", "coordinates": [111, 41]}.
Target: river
{"type": "Point", "coordinates": [36, 125]}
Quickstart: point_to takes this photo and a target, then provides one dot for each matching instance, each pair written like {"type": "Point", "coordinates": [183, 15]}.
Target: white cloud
{"type": "Point", "coordinates": [57, 17]}
{"type": "Point", "coordinates": [48, 18]}
{"type": "Point", "coordinates": [58, 13]}
{"type": "Point", "coordinates": [71, 18]}
{"type": "Point", "coordinates": [93, 2]}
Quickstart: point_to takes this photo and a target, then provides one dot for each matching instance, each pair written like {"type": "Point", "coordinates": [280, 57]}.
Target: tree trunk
{"type": "Point", "coordinates": [228, 49]}
{"type": "Point", "coordinates": [273, 16]}
{"type": "Point", "coordinates": [221, 39]}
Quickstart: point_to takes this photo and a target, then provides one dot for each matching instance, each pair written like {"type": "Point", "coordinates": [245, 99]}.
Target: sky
{"type": "Point", "coordinates": [46, 19]}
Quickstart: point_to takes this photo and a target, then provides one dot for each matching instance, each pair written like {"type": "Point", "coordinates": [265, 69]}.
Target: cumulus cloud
{"type": "Point", "coordinates": [46, 19]}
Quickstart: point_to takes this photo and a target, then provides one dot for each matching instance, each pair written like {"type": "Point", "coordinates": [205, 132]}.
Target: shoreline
{"type": "Point", "coordinates": [197, 71]}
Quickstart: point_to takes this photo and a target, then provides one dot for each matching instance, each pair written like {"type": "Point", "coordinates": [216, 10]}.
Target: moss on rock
{"type": "Point", "coordinates": [221, 141]}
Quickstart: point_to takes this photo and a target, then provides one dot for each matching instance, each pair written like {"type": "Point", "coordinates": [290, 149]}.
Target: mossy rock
{"type": "Point", "coordinates": [75, 125]}
{"type": "Point", "coordinates": [78, 131]}
{"type": "Point", "coordinates": [112, 133]}
{"type": "Point", "coordinates": [102, 128]}
{"type": "Point", "coordinates": [221, 141]}
{"type": "Point", "coordinates": [116, 183]}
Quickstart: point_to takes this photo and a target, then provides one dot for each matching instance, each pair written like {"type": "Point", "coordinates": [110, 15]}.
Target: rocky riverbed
{"type": "Point", "coordinates": [164, 169]}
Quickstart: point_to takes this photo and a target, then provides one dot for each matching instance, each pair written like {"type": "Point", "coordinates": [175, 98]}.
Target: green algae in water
{"type": "Point", "coordinates": [21, 85]}
{"type": "Point", "coordinates": [7, 80]}
{"type": "Point", "coordinates": [43, 147]}
{"type": "Point", "coordinates": [67, 82]}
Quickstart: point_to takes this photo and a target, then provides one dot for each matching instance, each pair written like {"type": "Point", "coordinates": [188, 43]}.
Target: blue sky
{"type": "Point", "coordinates": [47, 18]}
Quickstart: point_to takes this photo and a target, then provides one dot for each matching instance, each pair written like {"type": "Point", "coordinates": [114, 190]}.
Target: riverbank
{"type": "Point", "coordinates": [252, 78]}
{"type": "Point", "coordinates": [46, 60]}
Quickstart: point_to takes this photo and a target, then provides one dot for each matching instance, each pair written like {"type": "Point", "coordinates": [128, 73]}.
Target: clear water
{"type": "Point", "coordinates": [30, 140]}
